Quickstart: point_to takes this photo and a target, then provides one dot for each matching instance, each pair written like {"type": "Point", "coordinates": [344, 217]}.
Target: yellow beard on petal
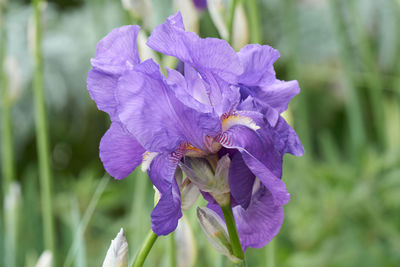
{"type": "Point", "coordinates": [233, 120]}
{"type": "Point", "coordinates": [147, 159]}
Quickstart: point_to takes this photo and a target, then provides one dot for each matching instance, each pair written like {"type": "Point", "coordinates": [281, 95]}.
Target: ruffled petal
{"type": "Point", "coordinates": [153, 114]}
{"type": "Point", "coordinates": [261, 158]}
{"type": "Point", "coordinates": [259, 81]}
{"type": "Point", "coordinates": [241, 180]}
{"type": "Point", "coordinates": [258, 63]}
{"type": "Point", "coordinates": [167, 212]}
{"type": "Point", "coordinates": [260, 222]}
{"type": "Point", "coordinates": [189, 91]}
{"type": "Point", "coordinates": [278, 94]}
{"type": "Point", "coordinates": [120, 152]}
{"type": "Point", "coordinates": [117, 52]}
{"type": "Point", "coordinates": [102, 88]}
{"type": "Point", "coordinates": [210, 64]}
{"type": "Point", "coordinates": [209, 54]}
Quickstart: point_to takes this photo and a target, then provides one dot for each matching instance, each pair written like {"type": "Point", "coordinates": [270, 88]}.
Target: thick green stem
{"type": "Point", "coordinates": [145, 249]}
{"type": "Point", "coordinates": [254, 21]}
{"type": "Point", "coordinates": [42, 135]}
{"type": "Point", "coordinates": [232, 231]}
{"type": "Point", "coordinates": [230, 20]}
{"type": "Point", "coordinates": [7, 155]}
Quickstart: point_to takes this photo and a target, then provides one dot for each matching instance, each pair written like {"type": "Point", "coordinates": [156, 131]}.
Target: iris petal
{"type": "Point", "coordinates": [153, 114]}
{"type": "Point", "coordinates": [120, 152]}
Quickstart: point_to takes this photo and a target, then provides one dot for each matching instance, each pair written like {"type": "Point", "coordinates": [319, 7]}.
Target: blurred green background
{"type": "Point", "coordinates": [345, 204]}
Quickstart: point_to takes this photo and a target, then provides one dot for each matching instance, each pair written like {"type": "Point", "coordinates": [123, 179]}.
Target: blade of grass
{"type": "Point", "coordinates": [85, 220]}
{"type": "Point", "coordinates": [80, 259]}
{"type": "Point", "coordinates": [254, 21]}
{"type": "Point", "coordinates": [42, 138]}
{"type": "Point", "coordinates": [137, 227]}
{"type": "Point", "coordinates": [12, 211]}
{"type": "Point", "coordinates": [353, 107]}
{"type": "Point", "coordinates": [374, 81]}
{"type": "Point", "coordinates": [291, 30]}
{"type": "Point", "coordinates": [230, 20]}
{"type": "Point", "coordinates": [7, 155]}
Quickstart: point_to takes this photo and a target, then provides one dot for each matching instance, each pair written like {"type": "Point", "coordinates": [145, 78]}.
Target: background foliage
{"type": "Point", "coordinates": [345, 204]}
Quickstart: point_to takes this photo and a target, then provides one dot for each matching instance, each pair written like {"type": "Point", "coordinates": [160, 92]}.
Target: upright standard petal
{"type": "Point", "coordinates": [209, 54]}
{"type": "Point", "coordinates": [115, 53]}
{"type": "Point", "coordinates": [120, 152]}
{"type": "Point", "coordinates": [153, 114]}
{"type": "Point", "coordinates": [213, 60]}
{"type": "Point", "coordinates": [259, 80]}
{"type": "Point", "coordinates": [258, 63]}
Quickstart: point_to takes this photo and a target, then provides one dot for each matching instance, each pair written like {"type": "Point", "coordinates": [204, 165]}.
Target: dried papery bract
{"type": "Point", "coordinates": [117, 254]}
{"type": "Point", "coordinates": [215, 230]}
{"type": "Point", "coordinates": [189, 194]}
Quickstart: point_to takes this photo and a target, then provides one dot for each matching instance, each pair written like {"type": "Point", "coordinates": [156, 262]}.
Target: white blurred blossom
{"type": "Point", "coordinates": [45, 260]}
{"type": "Point", "coordinates": [185, 243]}
{"type": "Point", "coordinates": [117, 254]}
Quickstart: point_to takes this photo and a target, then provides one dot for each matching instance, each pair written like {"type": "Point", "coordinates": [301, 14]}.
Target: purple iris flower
{"type": "Point", "coordinates": [224, 103]}
{"type": "Point", "coordinates": [200, 4]}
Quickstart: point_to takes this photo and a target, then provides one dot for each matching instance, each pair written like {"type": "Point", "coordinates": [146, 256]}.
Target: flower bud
{"type": "Point", "coordinates": [217, 8]}
{"type": "Point", "coordinates": [215, 230]}
{"type": "Point", "coordinates": [240, 28]}
{"type": "Point", "coordinates": [201, 173]}
{"type": "Point", "coordinates": [221, 192]}
{"type": "Point", "coordinates": [117, 254]}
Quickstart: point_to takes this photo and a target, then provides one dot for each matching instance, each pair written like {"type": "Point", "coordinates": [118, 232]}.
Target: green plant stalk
{"type": "Point", "coordinates": [353, 106]}
{"type": "Point", "coordinates": [271, 262]}
{"type": "Point", "coordinates": [231, 19]}
{"type": "Point", "coordinates": [73, 250]}
{"type": "Point", "coordinates": [42, 135]}
{"type": "Point", "coordinates": [145, 249]}
{"type": "Point", "coordinates": [254, 21]}
{"type": "Point", "coordinates": [375, 83]}
{"type": "Point", "coordinates": [7, 155]}
{"type": "Point", "coordinates": [232, 231]}
{"type": "Point", "coordinates": [290, 24]}
{"type": "Point", "coordinates": [172, 250]}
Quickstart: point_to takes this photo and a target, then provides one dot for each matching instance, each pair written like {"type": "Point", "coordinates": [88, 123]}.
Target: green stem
{"type": "Point", "coordinates": [42, 135]}
{"type": "Point", "coordinates": [271, 254]}
{"type": "Point", "coordinates": [230, 20]}
{"type": "Point", "coordinates": [232, 231]}
{"type": "Point", "coordinates": [145, 249]}
{"type": "Point", "coordinates": [7, 155]}
{"type": "Point", "coordinates": [254, 21]}
{"type": "Point", "coordinates": [172, 250]}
